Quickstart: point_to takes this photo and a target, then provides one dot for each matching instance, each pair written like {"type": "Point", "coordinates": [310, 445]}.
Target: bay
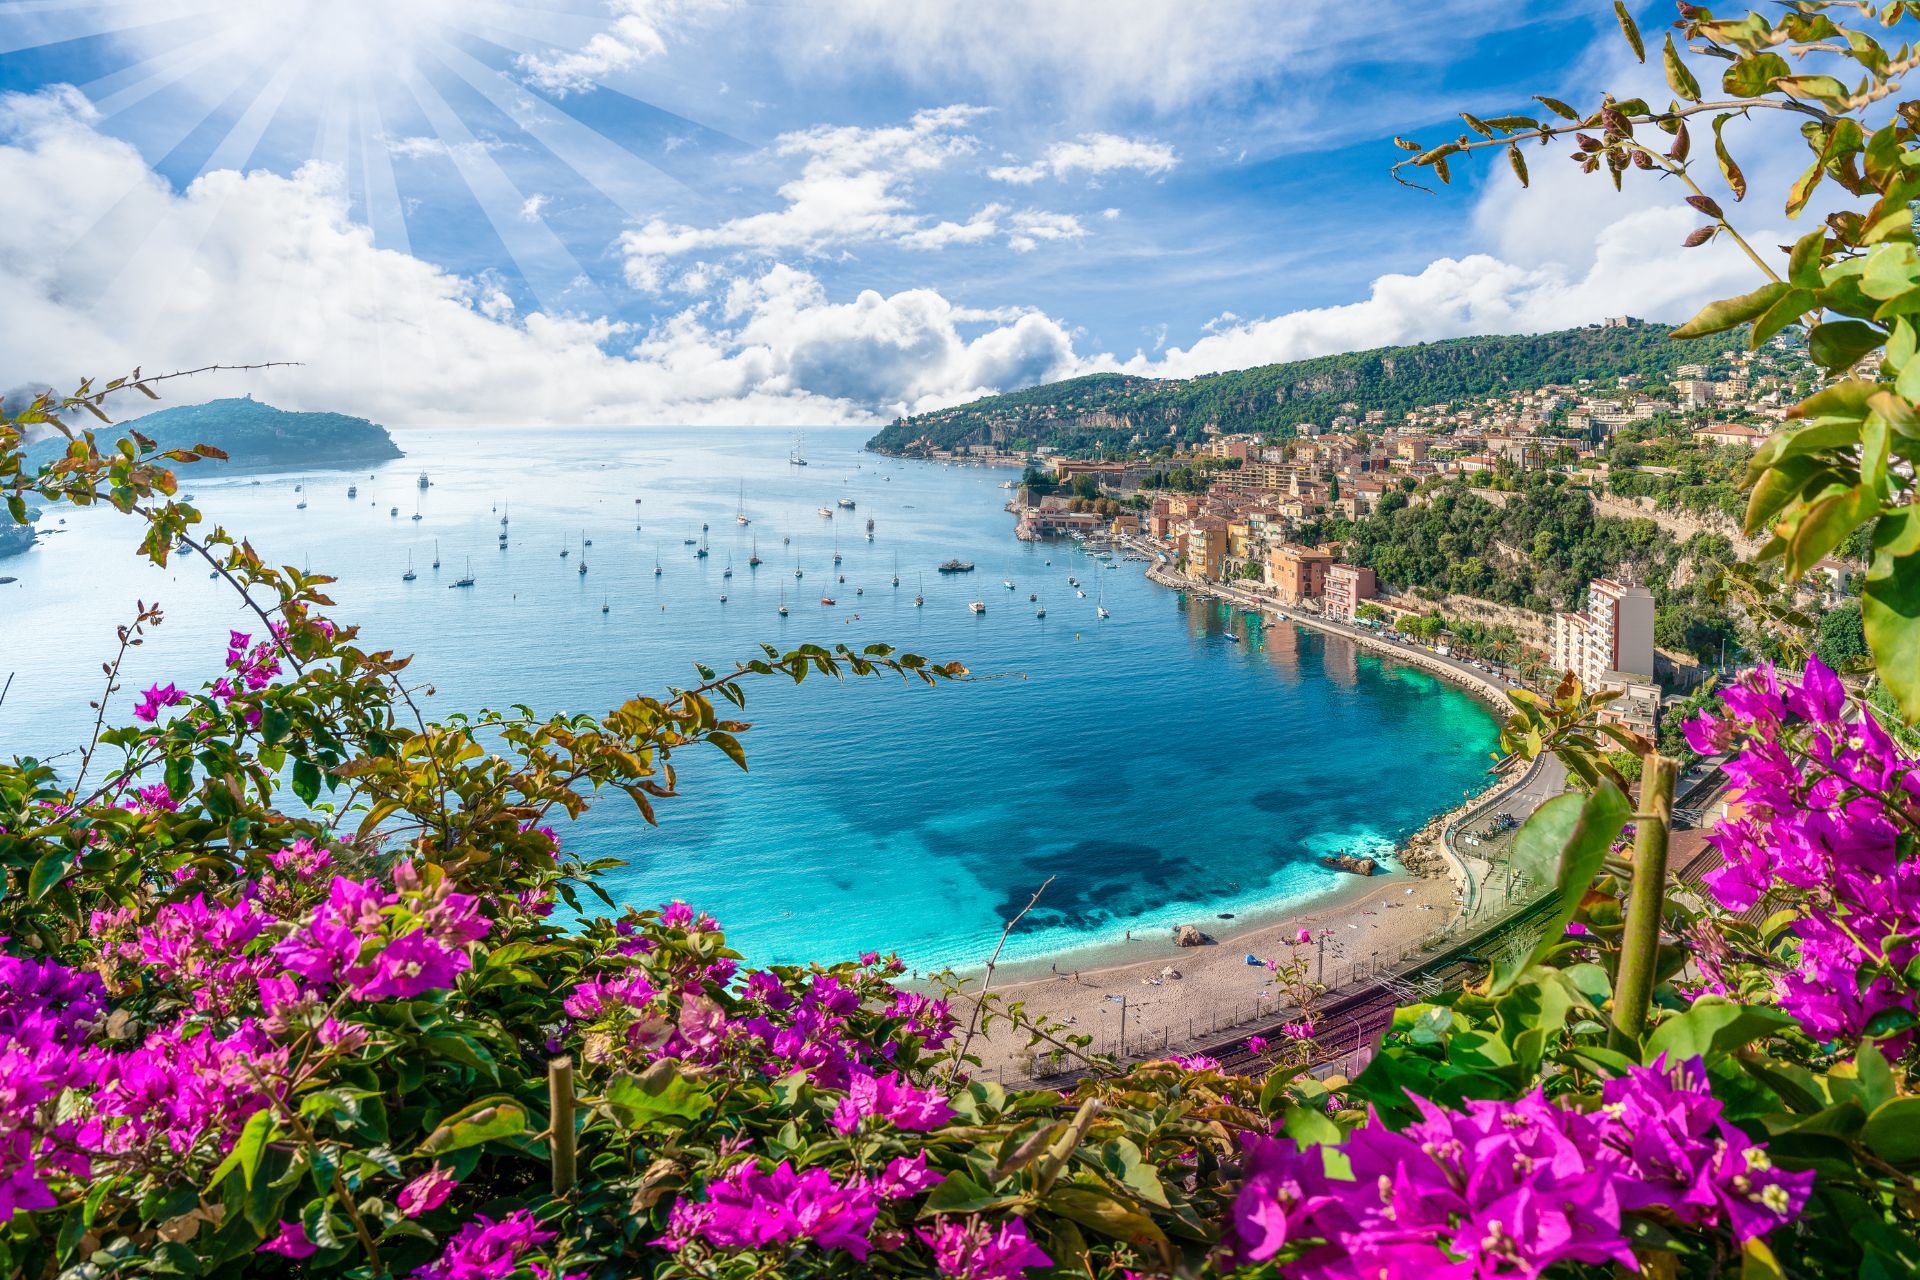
{"type": "Point", "coordinates": [1156, 769]}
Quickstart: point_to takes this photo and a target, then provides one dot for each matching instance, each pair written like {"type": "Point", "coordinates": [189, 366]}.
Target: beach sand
{"type": "Point", "coordinates": [1378, 924]}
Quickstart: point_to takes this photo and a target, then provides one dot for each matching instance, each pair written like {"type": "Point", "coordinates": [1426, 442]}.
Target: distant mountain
{"type": "Point", "coordinates": [16, 538]}
{"type": "Point", "coordinates": [1121, 412]}
{"type": "Point", "coordinates": [255, 436]}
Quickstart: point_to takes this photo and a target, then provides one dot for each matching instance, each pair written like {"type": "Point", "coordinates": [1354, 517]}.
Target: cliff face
{"type": "Point", "coordinates": [255, 436]}
{"type": "Point", "coordinates": [15, 538]}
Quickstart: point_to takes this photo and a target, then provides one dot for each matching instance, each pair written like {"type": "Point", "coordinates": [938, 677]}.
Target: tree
{"type": "Point", "coordinates": [1841, 642]}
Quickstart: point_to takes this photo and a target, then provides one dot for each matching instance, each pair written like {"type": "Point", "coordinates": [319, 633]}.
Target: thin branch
{"type": "Point", "coordinates": [973, 1019]}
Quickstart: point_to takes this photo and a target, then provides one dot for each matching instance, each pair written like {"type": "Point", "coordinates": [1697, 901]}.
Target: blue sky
{"type": "Point", "coordinates": [710, 210]}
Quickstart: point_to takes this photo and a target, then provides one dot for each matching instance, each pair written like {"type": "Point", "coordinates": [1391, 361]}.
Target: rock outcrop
{"type": "Point", "coordinates": [1351, 863]}
{"type": "Point", "coordinates": [1188, 935]}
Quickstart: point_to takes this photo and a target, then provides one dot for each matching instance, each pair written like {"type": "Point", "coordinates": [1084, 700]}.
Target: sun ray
{"type": "Point", "coordinates": [551, 272]}
{"type": "Point", "coordinates": [598, 160]}
{"type": "Point", "coordinates": [384, 211]}
{"type": "Point", "coordinates": [131, 16]}
{"type": "Point", "coordinates": [235, 149]}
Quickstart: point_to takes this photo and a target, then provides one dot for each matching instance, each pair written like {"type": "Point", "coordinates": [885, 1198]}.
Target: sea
{"type": "Point", "coordinates": [1177, 761]}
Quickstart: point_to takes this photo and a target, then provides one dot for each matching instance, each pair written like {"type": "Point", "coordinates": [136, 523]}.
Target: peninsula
{"type": "Point", "coordinates": [256, 437]}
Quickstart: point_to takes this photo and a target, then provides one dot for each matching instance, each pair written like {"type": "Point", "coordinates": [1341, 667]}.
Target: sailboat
{"type": "Point", "coordinates": [436, 553]}
{"type": "Point", "coordinates": [783, 602]}
{"type": "Point", "coordinates": [1039, 611]}
{"type": "Point", "coordinates": [978, 606]}
{"type": "Point", "coordinates": [416, 511]}
{"type": "Point", "coordinates": [409, 575]}
{"type": "Point", "coordinates": [702, 552]}
{"type": "Point", "coordinates": [836, 551]}
{"type": "Point", "coordinates": [565, 552]}
{"type": "Point", "coordinates": [353, 491]}
{"type": "Point", "coordinates": [740, 513]}
{"type": "Point", "coordinates": [657, 570]}
{"type": "Point", "coordinates": [466, 579]}
{"type": "Point", "coordinates": [793, 455]}
{"type": "Point", "coordinates": [605, 604]}
{"type": "Point", "coordinates": [505, 511]}
{"type": "Point", "coordinates": [896, 568]}
{"type": "Point", "coordinates": [728, 573]}
{"type": "Point", "coordinates": [583, 554]}
{"type": "Point", "coordinates": [1101, 608]}
{"type": "Point", "coordinates": [300, 489]}
{"type": "Point", "coordinates": [797, 573]}
{"type": "Point", "coordinates": [753, 561]}
{"type": "Point", "coordinates": [920, 596]}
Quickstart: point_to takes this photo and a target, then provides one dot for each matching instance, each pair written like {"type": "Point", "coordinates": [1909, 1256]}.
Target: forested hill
{"type": "Point", "coordinates": [1120, 411]}
{"type": "Point", "coordinates": [255, 436]}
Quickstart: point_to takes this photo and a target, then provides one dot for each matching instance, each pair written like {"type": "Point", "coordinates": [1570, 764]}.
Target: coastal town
{"type": "Point", "coordinates": [1281, 520]}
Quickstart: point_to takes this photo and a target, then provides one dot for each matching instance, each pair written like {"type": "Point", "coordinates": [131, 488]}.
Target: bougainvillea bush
{"type": "Point", "coordinates": [295, 979]}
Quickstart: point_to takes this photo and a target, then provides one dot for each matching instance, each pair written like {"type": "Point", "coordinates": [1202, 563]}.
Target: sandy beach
{"type": "Point", "coordinates": [1375, 925]}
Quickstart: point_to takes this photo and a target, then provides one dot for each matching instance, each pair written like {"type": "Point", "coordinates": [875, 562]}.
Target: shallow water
{"type": "Point", "coordinates": [1155, 769]}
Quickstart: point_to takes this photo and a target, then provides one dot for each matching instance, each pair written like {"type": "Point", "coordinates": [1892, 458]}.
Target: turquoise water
{"type": "Point", "coordinates": [1156, 769]}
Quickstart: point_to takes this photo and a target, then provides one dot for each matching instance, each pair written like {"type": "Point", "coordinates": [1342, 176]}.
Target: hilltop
{"type": "Point", "coordinates": [255, 436]}
{"type": "Point", "coordinates": [1124, 412]}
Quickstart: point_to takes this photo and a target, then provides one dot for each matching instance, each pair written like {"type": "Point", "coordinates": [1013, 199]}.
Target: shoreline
{"type": "Point", "coordinates": [1374, 927]}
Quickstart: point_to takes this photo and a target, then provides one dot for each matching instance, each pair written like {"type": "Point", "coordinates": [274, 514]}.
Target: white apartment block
{"type": "Point", "coordinates": [1613, 633]}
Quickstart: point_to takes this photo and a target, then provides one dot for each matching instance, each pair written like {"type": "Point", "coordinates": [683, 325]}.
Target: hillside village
{"type": "Point", "coordinates": [1563, 526]}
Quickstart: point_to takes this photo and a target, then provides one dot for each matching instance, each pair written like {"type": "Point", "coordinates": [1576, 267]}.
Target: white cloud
{"type": "Point", "coordinates": [532, 207]}
{"type": "Point", "coordinates": [256, 267]}
{"type": "Point", "coordinates": [1030, 226]}
{"type": "Point", "coordinates": [1094, 154]}
{"type": "Point", "coordinates": [638, 33]}
{"type": "Point", "coordinates": [854, 187]}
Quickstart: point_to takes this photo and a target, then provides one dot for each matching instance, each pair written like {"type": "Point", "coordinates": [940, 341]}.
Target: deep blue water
{"type": "Point", "coordinates": [1154, 768]}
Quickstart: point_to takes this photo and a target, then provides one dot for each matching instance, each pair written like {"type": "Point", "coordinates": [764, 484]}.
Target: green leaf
{"type": "Point", "coordinates": [1558, 107]}
{"type": "Point", "coordinates": [306, 780]}
{"type": "Point", "coordinates": [246, 1153]}
{"type": "Point", "coordinates": [1752, 76]}
{"type": "Point", "coordinates": [1803, 266]}
{"type": "Point", "coordinates": [1310, 1127]}
{"type": "Point", "coordinates": [1893, 1131]}
{"type": "Point", "coordinates": [52, 867]}
{"type": "Point", "coordinates": [958, 1193]}
{"type": "Point", "coordinates": [1793, 304]}
{"type": "Point", "coordinates": [1712, 1028]}
{"type": "Point", "coordinates": [1837, 344]}
{"type": "Point", "coordinates": [1890, 606]}
{"type": "Point", "coordinates": [1104, 1213]}
{"type": "Point", "coordinates": [484, 1121]}
{"type": "Point", "coordinates": [660, 1093]}
{"type": "Point", "coordinates": [1631, 30]}
{"type": "Point", "coordinates": [1564, 843]}
{"type": "Point", "coordinates": [1758, 1263]}
{"type": "Point", "coordinates": [1825, 525]}
{"type": "Point", "coordinates": [1679, 78]}
{"type": "Point", "coordinates": [1717, 317]}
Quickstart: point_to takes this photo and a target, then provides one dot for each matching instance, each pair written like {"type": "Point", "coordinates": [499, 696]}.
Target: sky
{"type": "Point", "coordinates": [760, 211]}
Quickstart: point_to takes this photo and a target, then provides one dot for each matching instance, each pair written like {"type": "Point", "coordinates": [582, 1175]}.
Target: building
{"type": "Point", "coordinates": [1298, 573]}
{"type": "Point", "coordinates": [1731, 433]}
{"type": "Point", "coordinates": [1347, 586]}
{"type": "Point", "coordinates": [1206, 539]}
{"type": "Point", "coordinates": [1637, 709]}
{"type": "Point", "coordinates": [1614, 633]}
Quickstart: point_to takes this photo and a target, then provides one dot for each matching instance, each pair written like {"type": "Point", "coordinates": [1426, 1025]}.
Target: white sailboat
{"type": "Point", "coordinates": [583, 554]}
{"type": "Point", "coordinates": [1101, 608]}
{"type": "Point", "coordinates": [740, 514]}
{"type": "Point", "coordinates": [409, 575]}
{"type": "Point", "coordinates": [783, 602]}
{"type": "Point", "coordinates": [466, 579]}
{"type": "Point", "coordinates": [920, 595]}
{"type": "Point", "coordinates": [436, 553]}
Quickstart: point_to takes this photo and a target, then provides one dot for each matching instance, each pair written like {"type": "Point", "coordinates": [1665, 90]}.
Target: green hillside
{"type": "Point", "coordinates": [255, 436]}
{"type": "Point", "coordinates": [1122, 412]}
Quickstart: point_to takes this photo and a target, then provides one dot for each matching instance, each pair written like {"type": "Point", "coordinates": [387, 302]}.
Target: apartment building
{"type": "Point", "coordinates": [1613, 633]}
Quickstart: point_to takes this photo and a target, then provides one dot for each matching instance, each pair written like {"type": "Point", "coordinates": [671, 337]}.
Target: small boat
{"type": "Point", "coordinates": [636, 502]}
{"type": "Point", "coordinates": [843, 577]}
{"type": "Point", "coordinates": [1040, 611]}
{"type": "Point", "coordinates": [740, 513]}
{"type": "Point", "coordinates": [392, 511]}
{"type": "Point", "coordinates": [1008, 584]}
{"type": "Point", "coordinates": [869, 524]}
{"type": "Point", "coordinates": [688, 542]}
{"type": "Point", "coordinates": [793, 455]}
{"type": "Point", "coordinates": [847, 503]}
{"type": "Point", "coordinates": [583, 554]}
{"type": "Point", "coordinates": [564, 553]}
{"type": "Point", "coordinates": [701, 554]}
{"type": "Point", "coordinates": [605, 605]}
{"type": "Point", "coordinates": [416, 515]}
{"type": "Point", "coordinates": [409, 575]}
{"type": "Point", "coordinates": [728, 573]}
{"type": "Point", "coordinates": [826, 513]}
{"type": "Point", "coordinates": [723, 597]}
{"type": "Point", "coordinates": [869, 535]}
{"type": "Point", "coordinates": [919, 596]}
{"type": "Point", "coordinates": [1081, 594]}
{"type": "Point", "coordinates": [353, 491]}
{"type": "Point", "coordinates": [504, 513]}
{"type": "Point", "coordinates": [1231, 638]}
{"type": "Point", "coordinates": [859, 591]}
{"type": "Point", "coordinates": [753, 561]}
{"type": "Point", "coordinates": [783, 602]}
{"type": "Point", "coordinates": [436, 553]}
{"type": "Point", "coordinates": [657, 570]}
{"type": "Point", "coordinates": [836, 557]}
{"type": "Point", "coordinates": [828, 600]}
{"type": "Point", "coordinates": [957, 566]}
{"type": "Point", "coordinates": [797, 573]}
{"type": "Point", "coordinates": [423, 482]}
{"type": "Point", "coordinates": [978, 606]}
{"type": "Point", "coordinates": [896, 568]}
{"type": "Point", "coordinates": [703, 526]}
{"type": "Point", "coordinates": [466, 580]}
